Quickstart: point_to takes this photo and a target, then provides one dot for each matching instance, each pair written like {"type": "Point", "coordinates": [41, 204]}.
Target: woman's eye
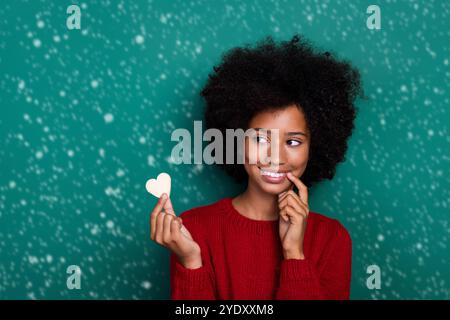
{"type": "Point", "coordinates": [294, 142]}
{"type": "Point", "coordinates": [260, 139]}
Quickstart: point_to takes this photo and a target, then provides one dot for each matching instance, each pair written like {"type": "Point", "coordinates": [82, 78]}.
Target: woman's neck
{"type": "Point", "coordinates": [256, 204]}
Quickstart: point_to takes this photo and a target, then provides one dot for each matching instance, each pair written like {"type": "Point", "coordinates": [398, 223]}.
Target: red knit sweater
{"type": "Point", "coordinates": [242, 258]}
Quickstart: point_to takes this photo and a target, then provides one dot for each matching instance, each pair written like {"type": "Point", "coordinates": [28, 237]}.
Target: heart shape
{"type": "Point", "coordinates": [159, 186]}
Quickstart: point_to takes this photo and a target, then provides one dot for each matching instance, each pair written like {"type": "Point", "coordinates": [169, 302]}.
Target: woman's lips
{"type": "Point", "coordinates": [271, 176]}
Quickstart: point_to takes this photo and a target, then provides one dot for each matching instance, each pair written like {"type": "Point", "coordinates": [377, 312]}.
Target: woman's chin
{"type": "Point", "coordinates": [273, 188]}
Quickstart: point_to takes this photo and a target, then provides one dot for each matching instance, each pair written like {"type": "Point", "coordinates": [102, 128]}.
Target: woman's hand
{"type": "Point", "coordinates": [294, 212]}
{"type": "Point", "coordinates": [168, 231]}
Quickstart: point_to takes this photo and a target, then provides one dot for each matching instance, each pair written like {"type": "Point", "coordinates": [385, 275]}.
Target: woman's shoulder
{"type": "Point", "coordinates": [329, 225]}
{"type": "Point", "coordinates": [204, 214]}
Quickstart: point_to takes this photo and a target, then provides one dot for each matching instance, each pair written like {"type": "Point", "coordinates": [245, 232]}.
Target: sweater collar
{"type": "Point", "coordinates": [258, 226]}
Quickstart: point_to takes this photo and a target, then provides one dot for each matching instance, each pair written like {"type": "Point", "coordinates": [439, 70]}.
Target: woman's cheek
{"type": "Point", "coordinates": [255, 154]}
{"type": "Point", "coordinates": [299, 161]}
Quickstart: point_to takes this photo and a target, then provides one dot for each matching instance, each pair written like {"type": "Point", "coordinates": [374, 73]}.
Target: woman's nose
{"type": "Point", "coordinates": [277, 154]}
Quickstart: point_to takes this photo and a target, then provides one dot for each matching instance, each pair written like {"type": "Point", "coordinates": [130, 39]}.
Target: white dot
{"type": "Point", "coordinates": [110, 224]}
{"type": "Point", "coordinates": [40, 24]}
{"type": "Point", "coordinates": [56, 38]}
{"type": "Point", "coordinates": [380, 237]}
{"type": "Point", "coordinates": [12, 184]}
{"type": "Point", "coordinates": [108, 118]}
{"type": "Point", "coordinates": [146, 285]}
{"type": "Point", "coordinates": [94, 84]}
{"type": "Point", "coordinates": [62, 93]}
{"type": "Point", "coordinates": [151, 160]}
{"type": "Point", "coordinates": [120, 173]}
{"type": "Point", "coordinates": [70, 153]}
{"type": "Point", "coordinates": [39, 154]}
{"type": "Point", "coordinates": [142, 140]}
{"type": "Point", "coordinates": [94, 230]}
{"type": "Point", "coordinates": [139, 39]}
{"type": "Point", "coordinates": [410, 136]}
{"type": "Point", "coordinates": [37, 43]}
{"type": "Point", "coordinates": [21, 84]}
{"type": "Point", "coordinates": [33, 259]}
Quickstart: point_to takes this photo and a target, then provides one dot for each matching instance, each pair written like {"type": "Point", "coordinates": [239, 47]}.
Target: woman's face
{"type": "Point", "coordinates": [269, 174]}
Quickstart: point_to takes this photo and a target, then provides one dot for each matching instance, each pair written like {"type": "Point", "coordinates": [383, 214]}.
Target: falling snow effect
{"type": "Point", "coordinates": [86, 119]}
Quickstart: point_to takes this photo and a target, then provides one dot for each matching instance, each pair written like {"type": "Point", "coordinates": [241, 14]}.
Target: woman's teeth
{"type": "Point", "coordinates": [271, 174]}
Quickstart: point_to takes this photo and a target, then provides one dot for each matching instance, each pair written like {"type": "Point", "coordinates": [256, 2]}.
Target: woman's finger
{"type": "Point", "coordinates": [160, 227]}
{"type": "Point", "coordinates": [294, 216]}
{"type": "Point", "coordinates": [289, 192]}
{"type": "Point", "coordinates": [294, 203]}
{"type": "Point", "coordinates": [156, 210]}
{"type": "Point", "coordinates": [175, 227]}
{"type": "Point", "coordinates": [302, 189]}
{"type": "Point", "coordinates": [168, 208]}
{"type": "Point", "coordinates": [294, 196]}
{"type": "Point", "coordinates": [283, 215]}
{"type": "Point", "coordinates": [166, 228]}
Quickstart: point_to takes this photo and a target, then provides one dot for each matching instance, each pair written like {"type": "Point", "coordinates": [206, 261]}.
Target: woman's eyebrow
{"type": "Point", "coordinates": [296, 133]}
{"type": "Point", "coordinates": [292, 133]}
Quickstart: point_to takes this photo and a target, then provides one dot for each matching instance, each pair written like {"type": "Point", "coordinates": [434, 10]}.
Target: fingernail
{"type": "Point", "coordinates": [163, 196]}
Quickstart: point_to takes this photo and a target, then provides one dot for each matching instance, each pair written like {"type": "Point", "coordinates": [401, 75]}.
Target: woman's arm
{"type": "Point", "coordinates": [299, 280]}
{"type": "Point", "coordinates": [192, 283]}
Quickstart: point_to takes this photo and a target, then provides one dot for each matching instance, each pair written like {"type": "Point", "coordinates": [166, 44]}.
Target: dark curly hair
{"type": "Point", "coordinates": [274, 76]}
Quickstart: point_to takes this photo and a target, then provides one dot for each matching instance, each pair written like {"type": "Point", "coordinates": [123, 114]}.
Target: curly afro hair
{"type": "Point", "coordinates": [273, 76]}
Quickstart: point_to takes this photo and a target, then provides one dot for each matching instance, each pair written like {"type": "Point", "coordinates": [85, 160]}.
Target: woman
{"type": "Point", "coordinates": [265, 243]}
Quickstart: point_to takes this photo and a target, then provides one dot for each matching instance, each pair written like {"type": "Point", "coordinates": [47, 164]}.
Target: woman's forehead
{"type": "Point", "coordinates": [288, 120]}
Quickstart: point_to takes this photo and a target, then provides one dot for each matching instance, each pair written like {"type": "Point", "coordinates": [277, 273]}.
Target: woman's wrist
{"type": "Point", "coordinates": [293, 255]}
{"type": "Point", "coordinates": [192, 262]}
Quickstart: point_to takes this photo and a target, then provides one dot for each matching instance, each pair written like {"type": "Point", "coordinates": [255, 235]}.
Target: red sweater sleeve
{"type": "Point", "coordinates": [192, 284]}
{"type": "Point", "coordinates": [299, 280]}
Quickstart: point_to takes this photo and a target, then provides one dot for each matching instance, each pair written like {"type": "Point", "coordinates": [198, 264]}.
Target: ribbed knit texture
{"type": "Point", "coordinates": [242, 259]}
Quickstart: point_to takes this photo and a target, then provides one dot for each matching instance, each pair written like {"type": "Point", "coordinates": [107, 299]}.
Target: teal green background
{"type": "Point", "coordinates": [75, 156]}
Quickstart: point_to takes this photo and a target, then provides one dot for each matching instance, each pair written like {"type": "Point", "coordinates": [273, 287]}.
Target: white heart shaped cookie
{"type": "Point", "coordinates": [160, 185]}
